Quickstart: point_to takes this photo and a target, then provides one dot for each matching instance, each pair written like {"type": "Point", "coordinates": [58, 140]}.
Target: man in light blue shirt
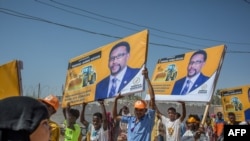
{"type": "Point", "coordinates": [139, 126]}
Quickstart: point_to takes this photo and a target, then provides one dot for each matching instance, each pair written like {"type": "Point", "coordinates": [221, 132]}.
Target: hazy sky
{"type": "Point", "coordinates": [46, 34]}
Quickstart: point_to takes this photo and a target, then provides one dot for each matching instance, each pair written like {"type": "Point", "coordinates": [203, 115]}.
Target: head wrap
{"type": "Point", "coordinates": [20, 116]}
{"type": "Point", "coordinates": [193, 119]}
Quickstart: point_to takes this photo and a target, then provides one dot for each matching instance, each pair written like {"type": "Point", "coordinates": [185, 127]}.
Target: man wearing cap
{"type": "Point", "coordinates": [52, 104]}
{"type": "Point", "coordinates": [139, 126]}
{"type": "Point", "coordinates": [194, 131]}
{"type": "Point", "coordinates": [23, 119]}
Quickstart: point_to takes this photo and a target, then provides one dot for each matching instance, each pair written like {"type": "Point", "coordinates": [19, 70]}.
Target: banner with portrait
{"type": "Point", "coordinates": [89, 75]}
{"type": "Point", "coordinates": [236, 100]}
{"type": "Point", "coordinates": [10, 74]}
{"type": "Point", "coordinates": [188, 77]}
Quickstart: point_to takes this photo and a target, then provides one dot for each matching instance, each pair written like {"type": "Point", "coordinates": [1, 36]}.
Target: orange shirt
{"type": "Point", "coordinates": [218, 127]}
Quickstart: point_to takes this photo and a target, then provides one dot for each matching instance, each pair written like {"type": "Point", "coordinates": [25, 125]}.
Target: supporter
{"type": "Point", "coordinates": [73, 130]}
{"type": "Point", "coordinates": [98, 129]}
{"type": "Point", "coordinates": [173, 125]}
{"type": "Point", "coordinates": [219, 126]}
{"type": "Point", "coordinates": [52, 104]}
{"type": "Point", "coordinates": [23, 119]}
{"type": "Point", "coordinates": [139, 126]}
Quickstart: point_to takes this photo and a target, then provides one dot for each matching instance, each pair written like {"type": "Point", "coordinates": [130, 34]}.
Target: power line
{"type": "Point", "coordinates": [148, 27]}
{"type": "Point", "coordinates": [131, 29]}
{"type": "Point", "coordinates": [26, 16]}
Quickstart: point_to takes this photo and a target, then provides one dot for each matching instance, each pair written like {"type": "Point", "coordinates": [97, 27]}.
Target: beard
{"type": "Point", "coordinates": [115, 72]}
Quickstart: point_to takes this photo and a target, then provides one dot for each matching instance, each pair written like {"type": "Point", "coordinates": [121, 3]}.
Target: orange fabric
{"type": "Point", "coordinates": [218, 128]}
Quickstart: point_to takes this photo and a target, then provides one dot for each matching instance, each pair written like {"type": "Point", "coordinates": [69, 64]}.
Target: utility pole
{"type": "Point", "coordinates": [39, 91]}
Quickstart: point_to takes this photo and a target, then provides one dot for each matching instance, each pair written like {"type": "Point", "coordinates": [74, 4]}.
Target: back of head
{"type": "Point", "coordinates": [75, 113]}
{"type": "Point", "coordinates": [20, 116]}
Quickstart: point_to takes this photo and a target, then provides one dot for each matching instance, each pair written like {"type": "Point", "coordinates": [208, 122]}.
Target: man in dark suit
{"type": "Point", "coordinates": [194, 77]}
{"type": "Point", "coordinates": [120, 73]}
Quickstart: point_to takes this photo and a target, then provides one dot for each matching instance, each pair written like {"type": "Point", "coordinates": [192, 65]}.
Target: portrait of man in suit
{"type": "Point", "coordinates": [194, 77]}
{"type": "Point", "coordinates": [120, 73]}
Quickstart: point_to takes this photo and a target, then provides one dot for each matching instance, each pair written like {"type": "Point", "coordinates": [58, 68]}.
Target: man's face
{"type": "Point", "coordinates": [97, 122]}
{"type": "Point", "coordinates": [219, 115]}
{"type": "Point", "coordinates": [195, 65]}
{"type": "Point", "coordinates": [139, 113]}
{"type": "Point", "coordinates": [171, 115]}
{"type": "Point", "coordinates": [191, 126]}
{"type": "Point", "coordinates": [125, 110]}
{"type": "Point", "coordinates": [232, 118]}
{"type": "Point", "coordinates": [118, 60]}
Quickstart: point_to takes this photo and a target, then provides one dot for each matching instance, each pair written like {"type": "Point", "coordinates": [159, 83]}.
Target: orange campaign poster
{"type": "Point", "coordinates": [236, 100]}
{"type": "Point", "coordinates": [188, 77]}
{"type": "Point", "coordinates": [108, 70]}
{"type": "Point", "coordinates": [10, 74]}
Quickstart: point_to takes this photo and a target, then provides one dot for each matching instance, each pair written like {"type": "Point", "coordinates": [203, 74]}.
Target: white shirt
{"type": "Point", "coordinates": [98, 135]}
{"type": "Point", "coordinates": [172, 128]}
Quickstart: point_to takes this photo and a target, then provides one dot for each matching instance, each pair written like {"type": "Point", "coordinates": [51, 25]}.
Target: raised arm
{"type": "Point", "coordinates": [64, 113]}
{"type": "Point", "coordinates": [104, 117]}
{"type": "Point", "coordinates": [66, 110]}
{"type": "Point", "coordinates": [150, 89]}
{"type": "Point", "coordinates": [183, 115]}
{"type": "Point", "coordinates": [70, 124]}
{"type": "Point", "coordinates": [82, 116]}
{"type": "Point", "coordinates": [158, 113]}
{"type": "Point", "coordinates": [115, 115]}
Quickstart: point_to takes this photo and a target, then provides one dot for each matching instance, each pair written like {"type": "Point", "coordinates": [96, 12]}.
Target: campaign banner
{"type": "Point", "coordinates": [108, 70]}
{"type": "Point", "coordinates": [236, 100]}
{"type": "Point", "coordinates": [188, 77]}
{"type": "Point", "coordinates": [10, 84]}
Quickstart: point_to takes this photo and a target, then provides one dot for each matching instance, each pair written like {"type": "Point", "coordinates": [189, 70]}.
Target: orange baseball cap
{"type": "Point", "coordinates": [52, 101]}
{"type": "Point", "coordinates": [140, 104]}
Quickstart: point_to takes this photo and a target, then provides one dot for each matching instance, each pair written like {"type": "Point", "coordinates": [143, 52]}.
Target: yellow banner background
{"type": "Point", "coordinates": [10, 81]}
{"type": "Point", "coordinates": [77, 94]}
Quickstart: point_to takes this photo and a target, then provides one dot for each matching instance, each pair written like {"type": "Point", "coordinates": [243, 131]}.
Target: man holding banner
{"type": "Point", "coordinates": [141, 124]}
{"type": "Point", "coordinates": [194, 77]}
{"type": "Point", "coordinates": [120, 75]}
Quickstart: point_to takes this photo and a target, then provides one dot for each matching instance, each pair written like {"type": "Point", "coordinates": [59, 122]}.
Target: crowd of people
{"type": "Point", "coordinates": [28, 119]}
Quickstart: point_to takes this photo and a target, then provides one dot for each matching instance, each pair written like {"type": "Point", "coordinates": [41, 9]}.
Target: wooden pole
{"type": "Point", "coordinates": [205, 115]}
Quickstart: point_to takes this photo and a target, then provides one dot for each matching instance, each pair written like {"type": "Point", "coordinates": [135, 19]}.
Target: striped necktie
{"type": "Point", "coordinates": [185, 90]}
{"type": "Point", "coordinates": [113, 88]}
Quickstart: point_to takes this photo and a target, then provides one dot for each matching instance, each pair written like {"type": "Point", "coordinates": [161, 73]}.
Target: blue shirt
{"type": "Point", "coordinates": [140, 131]}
